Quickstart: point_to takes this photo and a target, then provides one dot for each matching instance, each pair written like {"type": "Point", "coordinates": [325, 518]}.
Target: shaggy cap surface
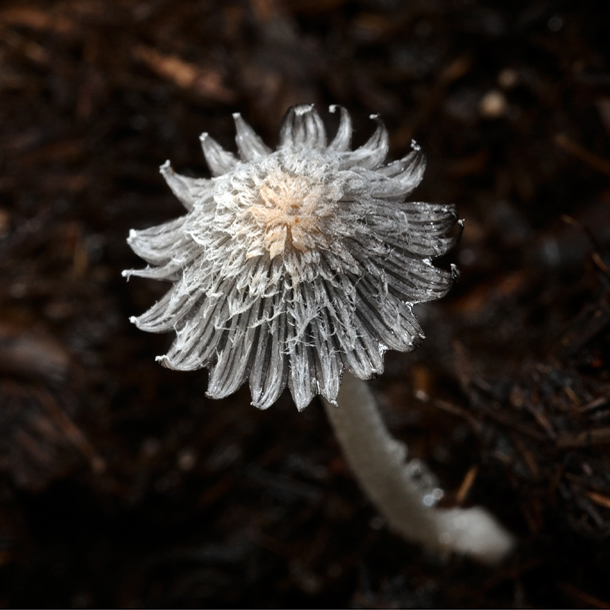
{"type": "Point", "coordinates": [291, 265]}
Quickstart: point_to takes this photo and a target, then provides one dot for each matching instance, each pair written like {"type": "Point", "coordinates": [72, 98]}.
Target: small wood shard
{"type": "Point", "coordinates": [583, 598]}
{"type": "Point", "coordinates": [32, 355]}
{"type": "Point", "coordinates": [73, 433]}
{"type": "Point", "coordinates": [591, 159]}
{"type": "Point", "coordinates": [599, 499]}
{"type": "Point", "coordinates": [527, 456]}
{"type": "Point", "coordinates": [598, 436]}
{"type": "Point", "coordinates": [467, 483]}
{"type": "Point", "coordinates": [37, 19]}
{"type": "Point", "coordinates": [204, 82]}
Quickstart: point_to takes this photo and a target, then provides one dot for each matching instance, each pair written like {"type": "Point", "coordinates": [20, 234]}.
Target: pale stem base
{"type": "Point", "coordinates": [378, 461]}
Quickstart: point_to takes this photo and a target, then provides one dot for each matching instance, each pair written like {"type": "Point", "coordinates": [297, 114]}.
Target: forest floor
{"type": "Point", "coordinates": [122, 485]}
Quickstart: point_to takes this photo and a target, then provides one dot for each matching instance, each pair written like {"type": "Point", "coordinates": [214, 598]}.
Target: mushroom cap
{"type": "Point", "coordinates": [292, 265]}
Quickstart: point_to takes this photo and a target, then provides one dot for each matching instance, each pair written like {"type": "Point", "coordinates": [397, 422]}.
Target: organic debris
{"type": "Point", "coordinates": [121, 485]}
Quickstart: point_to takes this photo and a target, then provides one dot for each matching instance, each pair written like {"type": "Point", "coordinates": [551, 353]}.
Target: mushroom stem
{"type": "Point", "coordinates": [396, 486]}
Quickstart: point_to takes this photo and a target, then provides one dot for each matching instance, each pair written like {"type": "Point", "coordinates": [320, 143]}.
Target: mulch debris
{"type": "Point", "coordinates": [122, 485]}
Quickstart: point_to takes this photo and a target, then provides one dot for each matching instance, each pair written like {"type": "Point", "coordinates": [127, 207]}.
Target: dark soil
{"type": "Point", "coordinates": [122, 485]}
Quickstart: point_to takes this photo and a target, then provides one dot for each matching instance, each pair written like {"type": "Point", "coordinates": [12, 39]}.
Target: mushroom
{"type": "Point", "coordinates": [298, 267]}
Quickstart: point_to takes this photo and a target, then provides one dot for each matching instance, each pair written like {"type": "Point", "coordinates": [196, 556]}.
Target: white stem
{"type": "Point", "coordinates": [378, 461]}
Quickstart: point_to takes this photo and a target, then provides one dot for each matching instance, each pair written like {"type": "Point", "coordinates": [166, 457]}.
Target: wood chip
{"type": "Point", "coordinates": [597, 436]}
{"type": "Point", "coordinates": [589, 601]}
{"type": "Point", "coordinates": [467, 483]}
{"type": "Point", "coordinates": [591, 159]}
{"type": "Point", "coordinates": [599, 499]}
{"type": "Point", "coordinates": [204, 82]}
{"type": "Point", "coordinates": [37, 19]}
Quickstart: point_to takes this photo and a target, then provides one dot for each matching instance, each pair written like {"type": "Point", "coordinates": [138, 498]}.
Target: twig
{"type": "Point", "coordinates": [596, 162]}
{"type": "Point", "coordinates": [186, 75]}
{"type": "Point", "coordinates": [599, 499]}
{"type": "Point", "coordinates": [598, 436]}
{"type": "Point", "coordinates": [467, 483]}
{"type": "Point", "coordinates": [589, 600]}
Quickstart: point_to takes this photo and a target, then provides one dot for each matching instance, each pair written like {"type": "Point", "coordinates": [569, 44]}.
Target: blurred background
{"type": "Point", "coordinates": [121, 485]}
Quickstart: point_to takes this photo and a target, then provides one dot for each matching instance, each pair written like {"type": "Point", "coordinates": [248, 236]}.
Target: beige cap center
{"type": "Point", "coordinates": [288, 213]}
